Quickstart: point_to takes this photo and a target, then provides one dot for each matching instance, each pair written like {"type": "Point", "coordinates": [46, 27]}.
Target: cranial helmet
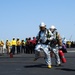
{"type": "Point", "coordinates": [42, 24]}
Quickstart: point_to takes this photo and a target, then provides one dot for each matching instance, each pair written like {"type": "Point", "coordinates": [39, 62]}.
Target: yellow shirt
{"type": "Point", "coordinates": [1, 43]}
{"type": "Point", "coordinates": [13, 42]}
{"type": "Point", "coordinates": [8, 43]}
{"type": "Point", "coordinates": [23, 43]}
{"type": "Point", "coordinates": [18, 43]}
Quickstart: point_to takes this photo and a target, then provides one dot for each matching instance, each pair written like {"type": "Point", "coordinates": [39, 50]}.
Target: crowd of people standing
{"type": "Point", "coordinates": [18, 46]}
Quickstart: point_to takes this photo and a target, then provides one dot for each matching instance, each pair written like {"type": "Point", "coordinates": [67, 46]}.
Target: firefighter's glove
{"type": "Point", "coordinates": [60, 47]}
{"type": "Point", "coordinates": [50, 39]}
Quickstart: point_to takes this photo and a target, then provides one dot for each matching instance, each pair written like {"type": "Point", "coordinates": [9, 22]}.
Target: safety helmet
{"type": "Point", "coordinates": [52, 27]}
{"type": "Point", "coordinates": [42, 24]}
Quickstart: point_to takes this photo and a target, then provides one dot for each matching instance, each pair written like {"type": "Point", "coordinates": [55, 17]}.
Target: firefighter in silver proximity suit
{"type": "Point", "coordinates": [42, 44]}
{"type": "Point", "coordinates": [55, 43]}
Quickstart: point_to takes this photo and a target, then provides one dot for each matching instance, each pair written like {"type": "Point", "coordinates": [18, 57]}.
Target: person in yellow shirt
{"type": "Point", "coordinates": [13, 43]}
{"type": "Point", "coordinates": [68, 44]}
{"type": "Point", "coordinates": [8, 44]}
{"type": "Point", "coordinates": [23, 49]}
{"type": "Point", "coordinates": [18, 43]}
{"type": "Point", "coordinates": [1, 46]}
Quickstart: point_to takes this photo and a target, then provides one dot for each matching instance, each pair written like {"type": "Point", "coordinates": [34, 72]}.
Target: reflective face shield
{"type": "Point", "coordinates": [42, 28]}
{"type": "Point", "coordinates": [52, 30]}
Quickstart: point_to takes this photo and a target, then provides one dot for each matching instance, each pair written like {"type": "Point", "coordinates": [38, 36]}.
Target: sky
{"type": "Point", "coordinates": [21, 18]}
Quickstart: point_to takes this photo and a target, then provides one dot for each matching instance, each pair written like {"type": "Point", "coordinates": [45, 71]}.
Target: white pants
{"type": "Point", "coordinates": [46, 51]}
{"type": "Point", "coordinates": [55, 51]}
{"type": "Point", "coordinates": [1, 50]}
